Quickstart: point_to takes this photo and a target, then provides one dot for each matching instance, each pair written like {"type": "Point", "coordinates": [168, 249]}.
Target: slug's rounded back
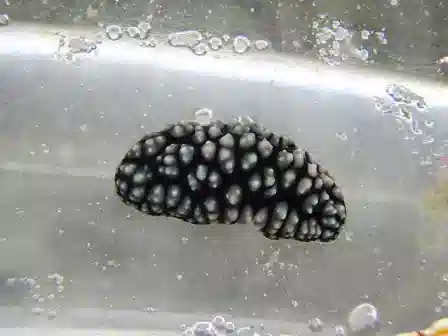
{"type": "Point", "coordinates": [232, 172]}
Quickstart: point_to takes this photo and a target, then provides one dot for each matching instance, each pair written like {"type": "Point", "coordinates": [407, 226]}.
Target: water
{"type": "Point", "coordinates": [131, 243]}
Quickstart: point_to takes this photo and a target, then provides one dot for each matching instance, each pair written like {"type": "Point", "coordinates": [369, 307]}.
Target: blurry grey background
{"type": "Point", "coordinates": [417, 30]}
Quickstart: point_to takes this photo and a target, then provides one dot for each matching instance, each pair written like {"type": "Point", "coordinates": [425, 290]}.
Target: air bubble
{"type": "Point", "coordinates": [215, 43]}
{"type": "Point", "coordinates": [341, 34]}
{"type": "Point", "coordinates": [133, 32]}
{"type": "Point", "coordinates": [226, 38]}
{"type": "Point", "coordinates": [336, 45]}
{"type": "Point", "coordinates": [151, 43]}
{"type": "Point", "coordinates": [429, 123]}
{"type": "Point", "coordinates": [114, 32]}
{"type": "Point", "coordinates": [261, 45]}
{"type": "Point", "coordinates": [45, 148]}
{"type": "Point", "coordinates": [187, 38]}
{"type": "Point", "coordinates": [203, 116]}
{"type": "Point", "coordinates": [37, 311]}
{"type": "Point", "coordinates": [204, 329]}
{"type": "Point", "coordinates": [365, 34]}
{"type": "Point", "coordinates": [364, 316]}
{"type": "Point", "coordinates": [81, 45]}
{"type": "Point", "coordinates": [189, 332]}
{"type": "Point", "coordinates": [363, 54]}
{"type": "Point", "coordinates": [11, 281]}
{"type": "Point", "coordinates": [428, 140]}
{"type": "Point", "coordinates": [51, 314]}
{"type": "Point", "coordinates": [219, 322]}
{"type": "Point", "coordinates": [230, 327]}
{"type": "Point", "coordinates": [245, 331]}
{"type": "Point", "coordinates": [200, 49]}
{"type": "Point", "coordinates": [4, 19]}
{"type": "Point", "coordinates": [445, 277]}
{"type": "Point", "coordinates": [241, 44]}
{"type": "Point", "coordinates": [316, 325]}
{"type": "Point", "coordinates": [339, 330]}
{"type": "Point", "coordinates": [342, 136]}
{"type": "Point", "coordinates": [394, 3]}
{"type": "Point", "coordinates": [145, 29]}
{"type": "Point", "coordinates": [381, 37]}
{"type": "Point", "coordinates": [151, 309]}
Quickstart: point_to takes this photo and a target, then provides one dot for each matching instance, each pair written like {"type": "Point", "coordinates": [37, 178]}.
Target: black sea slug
{"type": "Point", "coordinates": [232, 172]}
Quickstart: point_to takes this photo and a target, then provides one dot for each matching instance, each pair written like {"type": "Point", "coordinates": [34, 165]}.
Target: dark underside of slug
{"type": "Point", "coordinates": [232, 172]}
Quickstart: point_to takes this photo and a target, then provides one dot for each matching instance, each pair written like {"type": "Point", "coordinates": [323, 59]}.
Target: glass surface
{"type": "Point", "coordinates": [355, 83]}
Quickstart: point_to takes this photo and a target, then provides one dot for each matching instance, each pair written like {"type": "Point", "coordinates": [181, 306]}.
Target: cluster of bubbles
{"type": "Point", "coordinates": [410, 111]}
{"type": "Point", "coordinates": [362, 318]}
{"type": "Point", "coordinates": [336, 44]}
{"type": "Point", "coordinates": [198, 42]}
{"type": "Point", "coordinates": [217, 326]}
{"type": "Point", "coordinates": [70, 49]}
{"type": "Point", "coordinates": [403, 104]}
{"type": "Point", "coordinates": [202, 43]}
{"type": "Point", "coordinates": [73, 49]}
{"type": "Point", "coordinates": [44, 293]}
{"type": "Point", "coordinates": [140, 31]}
